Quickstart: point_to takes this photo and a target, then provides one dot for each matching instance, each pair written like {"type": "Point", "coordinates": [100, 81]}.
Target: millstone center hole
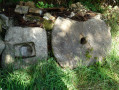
{"type": "Point", "coordinates": [83, 40]}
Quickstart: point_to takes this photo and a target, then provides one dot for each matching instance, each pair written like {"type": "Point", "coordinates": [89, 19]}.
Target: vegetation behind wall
{"type": "Point", "coordinates": [112, 2]}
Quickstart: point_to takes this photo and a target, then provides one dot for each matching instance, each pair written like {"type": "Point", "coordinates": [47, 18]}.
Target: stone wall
{"type": "Point", "coordinates": [73, 43]}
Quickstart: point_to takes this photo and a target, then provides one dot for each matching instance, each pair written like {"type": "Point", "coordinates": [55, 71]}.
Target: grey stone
{"type": "Point", "coordinates": [71, 15]}
{"type": "Point", "coordinates": [24, 46]}
{"type": "Point", "coordinates": [36, 10]}
{"type": "Point", "coordinates": [30, 4]}
{"type": "Point", "coordinates": [21, 9]}
{"type": "Point", "coordinates": [98, 16]}
{"type": "Point", "coordinates": [48, 16]}
{"type": "Point", "coordinates": [1, 23]}
{"type": "Point", "coordinates": [5, 18]}
{"type": "Point", "coordinates": [79, 5]}
{"type": "Point", "coordinates": [2, 46]}
{"type": "Point", "coordinates": [80, 43]}
{"type": "Point", "coordinates": [31, 18]}
{"type": "Point", "coordinates": [5, 21]}
{"type": "Point", "coordinates": [73, 6]}
{"type": "Point", "coordinates": [116, 8]}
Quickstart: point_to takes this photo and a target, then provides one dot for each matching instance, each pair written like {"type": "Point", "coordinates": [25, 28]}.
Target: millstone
{"type": "Point", "coordinates": [82, 43]}
{"type": "Point", "coordinates": [24, 46]}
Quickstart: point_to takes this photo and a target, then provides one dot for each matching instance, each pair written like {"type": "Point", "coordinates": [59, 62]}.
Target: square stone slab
{"type": "Point", "coordinates": [21, 9]}
{"type": "Point", "coordinates": [24, 46]}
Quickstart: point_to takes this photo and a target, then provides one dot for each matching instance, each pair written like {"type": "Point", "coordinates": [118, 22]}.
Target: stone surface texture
{"type": "Point", "coordinates": [31, 37]}
{"type": "Point", "coordinates": [35, 10]}
{"type": "Point", "coordinates": [80, 43]}
{"type": "Point", "coordinates": [78, 7]}
{"type": "Point", "coordinates": [30, 4]}
{"type": "Point", "coordinates": [48, 16]}
{"type": "Point", "coordinates": [21, 9]}
{"type": "Point", "coordinates": [1, 23]}
{"type": "Point", "coordinates": [2, 46]}
{"type": "Point", "coordinates": [5, 21]}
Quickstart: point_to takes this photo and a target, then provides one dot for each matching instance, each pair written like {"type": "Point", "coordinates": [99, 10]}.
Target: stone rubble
{"type": "Point", "coordinates": [48, 16]}
{"type": "Point", "coordinates": [21, 9]}
{"type": "Point", "coordinates": [36, 11]}
{"type": "Point", "coordinates": [79, 8]}
{"type": "Point", "coordinates": [30, 4]}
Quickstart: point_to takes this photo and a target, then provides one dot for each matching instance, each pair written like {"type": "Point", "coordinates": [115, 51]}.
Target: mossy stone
{"type": "Point", "coordinates": [48, 24]}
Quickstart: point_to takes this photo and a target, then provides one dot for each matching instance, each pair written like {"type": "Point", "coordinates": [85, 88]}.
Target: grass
{"type": "Point", "coordinates": [48, 75]}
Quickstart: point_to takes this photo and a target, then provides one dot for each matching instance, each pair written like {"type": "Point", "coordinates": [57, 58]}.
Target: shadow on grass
{"type": "Point", "coordinates": [44, 76]}
{"type": "Point", "coordinates": [47, 75]}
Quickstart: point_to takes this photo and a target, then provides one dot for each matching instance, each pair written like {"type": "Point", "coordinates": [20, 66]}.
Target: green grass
{"type": "Point", "coordinates": [48, 75]}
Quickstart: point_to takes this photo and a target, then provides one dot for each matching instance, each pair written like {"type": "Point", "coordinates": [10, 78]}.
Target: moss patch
{"type": "Point", "coordinates": [88, 55]}
{"type": "Point", "coordinates": [48, 24]}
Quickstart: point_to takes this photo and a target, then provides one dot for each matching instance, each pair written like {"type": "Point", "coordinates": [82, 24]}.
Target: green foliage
{"type": "Point", "coordinates": [96, 7]}
{"type": "Point", "coordinates": [111, 17]}
{"type": "Point", "coordinates": [41, 4]}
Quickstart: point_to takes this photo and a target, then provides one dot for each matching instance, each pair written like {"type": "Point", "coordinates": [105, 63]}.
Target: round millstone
{"type": "Point", "coordinates": [81, 43]}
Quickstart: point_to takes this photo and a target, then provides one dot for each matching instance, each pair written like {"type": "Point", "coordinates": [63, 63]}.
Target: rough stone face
{"type": "Point", "coordinates": [35, 10]}
{"type": "Point", "coordinates": [1, 23]}
{"type": "Point", "coordinates": [30, 4]}
{"type": "Point", "coordinates": [48, 16]}
{"type": "Point", "coordinates": [81, 43]}
{"type": "Point", "coordinates": [5, 21]}
{"type": "Point", "coordinates": [32, 18]}
{"type": "Point", "coordinates": [78, 7]}
{"type": "Point", "coordinates": [2, 46]}
{"type": "Point", "coordinates": [21, 9]}
{"type": "Point", "coordinates": [73, 6]}
{"type": "Point", "coordinates": [24, 46]}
